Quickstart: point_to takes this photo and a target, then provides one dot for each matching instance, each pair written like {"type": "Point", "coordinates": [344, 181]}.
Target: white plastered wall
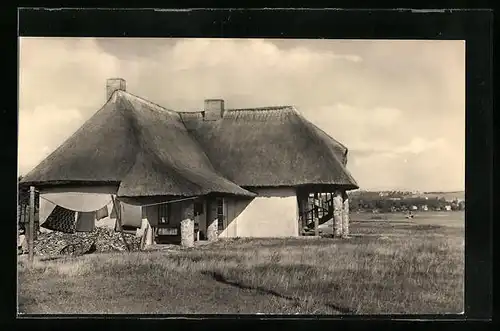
{"type": "Point", "coordinates": [273, 213]}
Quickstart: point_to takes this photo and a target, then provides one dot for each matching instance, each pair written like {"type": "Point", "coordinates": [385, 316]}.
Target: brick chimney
{"type": "Point", "coordinates": [113, 84]}
{"type": "Point", "coordinates": [214, 109]}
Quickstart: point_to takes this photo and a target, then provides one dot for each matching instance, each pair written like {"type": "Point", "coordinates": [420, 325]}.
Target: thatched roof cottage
{"type": "Point", "coordinates": [259, 172]}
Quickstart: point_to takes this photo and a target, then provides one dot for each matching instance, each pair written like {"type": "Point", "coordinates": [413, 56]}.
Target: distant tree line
{"type": "Point", "coordinates": [386, 204]}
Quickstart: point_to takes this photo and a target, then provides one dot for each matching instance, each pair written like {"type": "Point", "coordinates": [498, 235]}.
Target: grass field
{"type": "Point", "coordinates": [390, 265]}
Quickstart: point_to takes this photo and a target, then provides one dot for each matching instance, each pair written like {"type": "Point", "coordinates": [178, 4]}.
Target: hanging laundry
{"type": "Point", "coordinates": [61, 219]}
{"type": "Point", "coordinates": [115, 211]}
{"type": "Point", "coordinates": [20, 240]}
{"type": "Point", "coordinates": [102, 213]}
{"type": "Point", "coordinates": [117, 226]}
{"type": "Point", "coordinates": [46, 207]}
{"type": "Point", "coordinates": [148, 234]}
{"type": "Point", "coordinates": [77, 201]}
{"type": "Point", "coordinates": [85, 222]}
{"type": "Point", "coordinates": [114, 208]}
{"type": "Point", "coordinates": [145, 234]}
{"type": "Point", "coordinates": [152, 215]}
{"type": "Point", "coordinates": [144, 223]}
{"type": "Point", "coordinates": [22, 244]}
{"type": "Point", "coordinates": [131, 215]}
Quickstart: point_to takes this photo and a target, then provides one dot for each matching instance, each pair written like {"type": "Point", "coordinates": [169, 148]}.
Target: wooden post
{"type": "Point", "coordinates": [300, 213]}
{"type": "Point", "coordinates": [337, 213]}
{"type": "Point", "coordinates": [315, 204]}
{"type": "Point", "coordinates": [31, 231]}
{"type": "Point", "coordinates": [302, 197]}
{"type": "Point", "coordinates": [316, 225]}
{"type": "Point", "coordinates": [37, 216]}
{"type": "Point", "coordinates": [330, 204]}
{"type": "Point", "coordinates": [118, 219]}
{"type": "Point", "coordinates": [345, 215]}
{"type": "Point", "coordinates": [18, 215]}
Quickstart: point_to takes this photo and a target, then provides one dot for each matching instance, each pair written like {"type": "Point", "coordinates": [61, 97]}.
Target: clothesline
{"type": "Point", "coordinates": [145, 205]}
{"type": "Point", "coordinates": [69, 219]}
{"type": "Point", "coordinates": [52, 202]}
{"type": "Point", "coordinates": [167, 202]}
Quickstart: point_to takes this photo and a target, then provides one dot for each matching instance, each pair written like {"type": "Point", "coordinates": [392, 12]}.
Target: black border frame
{"type": "Point", "coordinates": [474, 25]}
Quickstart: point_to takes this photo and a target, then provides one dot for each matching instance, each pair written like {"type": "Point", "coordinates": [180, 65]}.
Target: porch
{"type": "Point", "coordinates": [323, 205]}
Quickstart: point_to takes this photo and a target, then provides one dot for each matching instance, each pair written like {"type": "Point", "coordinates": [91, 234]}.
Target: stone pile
{"type": "Point", "coordinates": [99, 240]}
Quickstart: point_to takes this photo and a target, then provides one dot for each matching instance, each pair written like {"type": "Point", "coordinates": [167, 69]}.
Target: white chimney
{"type": "Point", "coordinates": [214, 109]}
{"type": "Point", "coordinates": [113, 84]}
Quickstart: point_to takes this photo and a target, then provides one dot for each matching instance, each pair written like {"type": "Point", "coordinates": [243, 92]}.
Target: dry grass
{"type": "Point", "coordinates": [386, 268]}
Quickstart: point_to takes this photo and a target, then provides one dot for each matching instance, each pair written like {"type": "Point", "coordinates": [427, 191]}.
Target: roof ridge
{"type": "Point", "coordinates": [263, 108]}
{"type": "Point", "coordinates": [146, 101]}
{"type": "Point", "coordinates": [244, 109]}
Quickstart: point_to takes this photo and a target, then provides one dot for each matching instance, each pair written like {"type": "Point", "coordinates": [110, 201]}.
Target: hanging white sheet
{"type": "Point", "coordinates": [144, 224]}
{"type": "Point", "coordinates": [131, 216]}
{"type": "Point", "coordinates": [77, 201]}
{"type": "Point", "coordinates": [148, 235]}
{"type": "Point", "coordinates": [46, 208]}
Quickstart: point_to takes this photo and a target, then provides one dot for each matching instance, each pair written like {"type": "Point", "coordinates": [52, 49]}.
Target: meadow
{"type": "Point", "coordinates": [390, 265]}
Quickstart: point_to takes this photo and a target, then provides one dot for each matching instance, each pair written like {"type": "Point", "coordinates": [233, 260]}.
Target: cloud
{"type": "Point", "coordinates": [42, 130]}
{"type": "Point", "coordinates": [389, 149]}
{"type": "Point", "coordinates": [388, 101]}
{"type": "Point", "coordinates": [427, 164]}
{"type": "Point", "coordinates": [55, 71]}
{"type": "Point", "coordinates": [377, 128]}
{"type": "Point", "coordinates": [252, 53]}
{"type": "Point", "coordinates": [418, 145]}
{"type": "Point", "coordinates": [62, 80]}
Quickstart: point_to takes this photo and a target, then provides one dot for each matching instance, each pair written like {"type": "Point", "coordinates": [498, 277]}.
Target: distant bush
{"type": "Point", "coordinates": [389, 204]}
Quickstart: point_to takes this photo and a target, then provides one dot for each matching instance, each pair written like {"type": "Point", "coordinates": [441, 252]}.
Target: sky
{"type": "Point", "coordinates": [398, 105]}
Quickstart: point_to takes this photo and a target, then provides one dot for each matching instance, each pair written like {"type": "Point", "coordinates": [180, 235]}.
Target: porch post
{"type": "Point", "coordinates": [212, 229]}
{"type": "Point", "coordinates": [212, 226]}
{"type": "Point", "coordinates": [316, 214]}
{"type": "Point", "coordinates": [303, 202]}
{"type": "Point", "coordinates": [31, 229]}
{"type": "Point", "coordinates": [337, 213]}
{"type": "Point", "coordinates": [345, 215]}
{"type": "Point", "coordinates": [187, 224]}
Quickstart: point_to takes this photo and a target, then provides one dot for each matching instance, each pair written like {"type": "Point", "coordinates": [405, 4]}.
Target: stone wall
{"type": "Point", "coordinates": [338, 207]}
{"type": "Point", "coordinates": [187, 232]}
{"type": "Point", "coordinates": [187, 223]}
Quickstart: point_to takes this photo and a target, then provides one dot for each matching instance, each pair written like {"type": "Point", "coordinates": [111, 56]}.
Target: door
{"type": "Point", "coordinates": [167, 231]}
{"type": "Point", "coordinates": [221, 215]}
{"type": "Point", "coordinates": [216, 210]}
{"type": "Point", "coordinates": [200, 219]}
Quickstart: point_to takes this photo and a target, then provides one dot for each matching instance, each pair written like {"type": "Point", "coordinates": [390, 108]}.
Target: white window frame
{"type": "Point", "coordinates": [221, 224]}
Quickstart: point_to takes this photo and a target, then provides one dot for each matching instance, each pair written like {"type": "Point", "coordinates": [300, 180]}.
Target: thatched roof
{"type": "Point", "coordinates": [147, 150]}
{"type": "Point", "coordinates": [272, 146]}
{"type": "Point", "coordinates": [142, 146]}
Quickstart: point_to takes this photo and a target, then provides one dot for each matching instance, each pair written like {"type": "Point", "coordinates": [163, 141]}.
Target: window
{"type": "Point", "coordinates": [163, 214]}
{"type": "Point", "coordinates": [198, 208]}
{"type": "Point", "coordinates": [220, 214]}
